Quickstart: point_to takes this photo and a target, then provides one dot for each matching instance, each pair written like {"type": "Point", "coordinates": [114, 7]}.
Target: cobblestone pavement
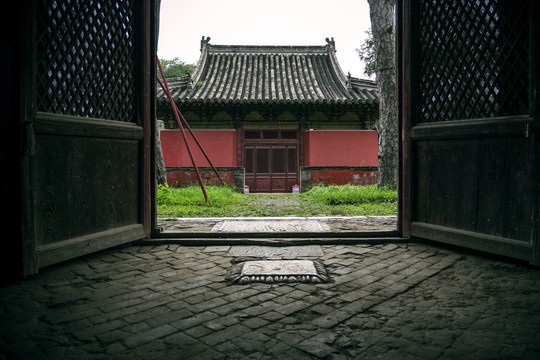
{"type": "Point", "coordinates": [388, 301]}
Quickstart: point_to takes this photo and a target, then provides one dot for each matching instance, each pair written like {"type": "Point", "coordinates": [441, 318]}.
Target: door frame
{"type": "Point", "coordinates": [405, 51]}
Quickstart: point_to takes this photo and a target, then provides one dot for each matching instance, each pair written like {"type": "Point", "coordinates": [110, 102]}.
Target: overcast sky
{"type": "Point", "coordinates": [256, 22]}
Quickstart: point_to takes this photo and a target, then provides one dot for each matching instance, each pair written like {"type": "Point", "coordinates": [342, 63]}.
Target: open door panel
{"type": "Point", "coordinates": [469, 84]}
{"type": "Point", "coordinates": [86, 109]}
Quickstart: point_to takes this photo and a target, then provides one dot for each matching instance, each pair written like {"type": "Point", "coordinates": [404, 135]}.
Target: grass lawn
{"type": "Point", "coordinates": [346, 200]}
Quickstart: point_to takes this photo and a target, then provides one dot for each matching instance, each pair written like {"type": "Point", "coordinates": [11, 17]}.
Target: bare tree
{"type": "Point", "coordinates": [382, 14]}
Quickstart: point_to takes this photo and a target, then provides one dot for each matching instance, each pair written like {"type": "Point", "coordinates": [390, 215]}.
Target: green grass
{"type": "Point", "coordinates": [351, 195]}
{"type": "Point", "coordinates": [189, 201]}
{"type": "Point", "coordinates": [347, 200]}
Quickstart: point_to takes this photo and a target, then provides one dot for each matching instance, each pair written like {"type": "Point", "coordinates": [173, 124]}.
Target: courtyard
{"type": "Point", "coordinates": [168, 301]}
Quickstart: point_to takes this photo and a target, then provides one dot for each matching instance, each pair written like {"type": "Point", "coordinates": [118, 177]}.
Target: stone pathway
{"type": "Point", "coordinates": [388, 301]}
{"type": "Point", "coordinates": [257, 225]}
{"type": "Point", "coordinates": [284, 224]}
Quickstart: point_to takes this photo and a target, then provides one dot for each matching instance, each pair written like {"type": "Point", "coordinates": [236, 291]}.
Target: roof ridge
{"type": "Point", "coordinates": [268, 49]}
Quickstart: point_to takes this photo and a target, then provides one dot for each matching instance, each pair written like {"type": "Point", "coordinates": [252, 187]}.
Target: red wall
{"type": "Point", "coordinates": [354, 149]}
{"type": "Point", "coordinates": [341, 148]}
{"type": "Point", "coordinates": [219, 145]}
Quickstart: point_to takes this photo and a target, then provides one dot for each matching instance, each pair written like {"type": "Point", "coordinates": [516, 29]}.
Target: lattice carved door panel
{"type": "Point", "coordinates": [474, 59]}
{"type": "Point", "coordinates": [86, 58]}
{"type": "Point", "coordinates": [470, 104]}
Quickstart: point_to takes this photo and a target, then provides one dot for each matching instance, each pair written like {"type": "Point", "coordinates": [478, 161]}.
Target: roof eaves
{"type": "Point", "coordinates": [362, 83]}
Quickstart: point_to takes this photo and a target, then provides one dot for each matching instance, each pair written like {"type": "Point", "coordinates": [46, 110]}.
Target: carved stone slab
{"type": "Point", "coordinates": [278, 271]}
{"type": "Point", "coordinates": [262, 226]}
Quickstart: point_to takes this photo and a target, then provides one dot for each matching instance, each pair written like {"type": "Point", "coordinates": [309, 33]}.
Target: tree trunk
{"type": "Point", "coordinates": [161, 172]}
{"type": "Point", "coordinates": [384, 39]}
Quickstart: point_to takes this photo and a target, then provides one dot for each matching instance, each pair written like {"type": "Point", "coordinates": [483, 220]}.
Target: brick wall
{"type": "Point", "coordinates": [337, 175]}
{"type": "Point", "coordinates": [185, 176]}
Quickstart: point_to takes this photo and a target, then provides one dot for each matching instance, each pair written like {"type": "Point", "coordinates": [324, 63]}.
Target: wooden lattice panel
{"type": "Point", "coordinates": [86, 58]}
{"type": "Point", "coordinates": [474, 59]}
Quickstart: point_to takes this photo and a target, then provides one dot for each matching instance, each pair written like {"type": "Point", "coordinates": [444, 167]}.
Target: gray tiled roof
{"type": "Point", "coordinates": [270, 74]}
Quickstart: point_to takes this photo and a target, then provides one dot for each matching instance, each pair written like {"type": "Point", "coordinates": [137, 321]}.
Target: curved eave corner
{"type": "Point", "coordinates": [201, 64]}
{"type": "Point", "coordinates": [331, 46]}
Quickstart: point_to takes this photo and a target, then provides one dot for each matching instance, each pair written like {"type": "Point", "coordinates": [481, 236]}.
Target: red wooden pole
{"type": "Point", "coordinates": [200, 146]}
{"type": "Point", "coordinates": [165, 87]}
{"type": "Point", "coordinates": [194, 137]}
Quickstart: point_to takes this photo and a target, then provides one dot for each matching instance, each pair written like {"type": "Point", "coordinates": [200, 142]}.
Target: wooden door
{"type": "Point", "coordinates": [469, 100]}
{"type": "Point", "coordinates": [271, 168]}
{"type": "Point", "coordinates": [271, 160]}
{"type": "Point", "coordinates": [87, 102]}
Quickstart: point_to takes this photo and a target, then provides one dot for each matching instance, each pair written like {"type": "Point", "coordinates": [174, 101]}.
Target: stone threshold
{"type": "Point", "coordinates": [267, 241]}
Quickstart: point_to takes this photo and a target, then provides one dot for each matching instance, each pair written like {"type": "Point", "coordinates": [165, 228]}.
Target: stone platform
{"type": "Point", "coordinates": [279, 224]}
{"type": "Point", "coordinates": [270, 226]}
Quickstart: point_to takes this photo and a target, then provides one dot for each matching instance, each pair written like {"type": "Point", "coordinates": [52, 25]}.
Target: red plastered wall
{"type": "Point", "coordinates": [341, 148]}
{"type": "Point", "coordinates": [220, 146]}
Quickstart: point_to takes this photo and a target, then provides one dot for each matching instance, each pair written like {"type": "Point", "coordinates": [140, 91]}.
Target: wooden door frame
{"type": "Point", "coordinates": [535, 111]}
{"type": "Point", "coordinates": [404, 52]}
{"type": "Point", "coordinates": [27, 54]}
{"type": "Point", "coordinates": [150, 30]}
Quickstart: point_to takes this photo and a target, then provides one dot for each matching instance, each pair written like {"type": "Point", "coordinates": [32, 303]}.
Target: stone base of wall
{"type": "Point", "coordinates": [186, 176]}
{"type": "Point", "coordinates": [337, 175]}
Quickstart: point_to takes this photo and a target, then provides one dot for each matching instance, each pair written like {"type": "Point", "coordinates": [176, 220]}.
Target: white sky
{"type": "Point", "coordinates": [257, 22]}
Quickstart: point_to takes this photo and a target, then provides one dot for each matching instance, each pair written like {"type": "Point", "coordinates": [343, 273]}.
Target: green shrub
{"type": "Point", "coordinates": [163, 194]}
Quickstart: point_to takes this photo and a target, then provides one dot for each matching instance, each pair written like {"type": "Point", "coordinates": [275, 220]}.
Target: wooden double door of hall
{"type": "Point", "coordinates": [271, 160]}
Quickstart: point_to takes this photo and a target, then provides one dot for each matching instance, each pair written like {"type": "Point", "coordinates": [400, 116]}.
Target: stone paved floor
{"type": "Point", "coordinates": [388, 301]}
{"type": "Point", "coordinates": [332, 223]}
